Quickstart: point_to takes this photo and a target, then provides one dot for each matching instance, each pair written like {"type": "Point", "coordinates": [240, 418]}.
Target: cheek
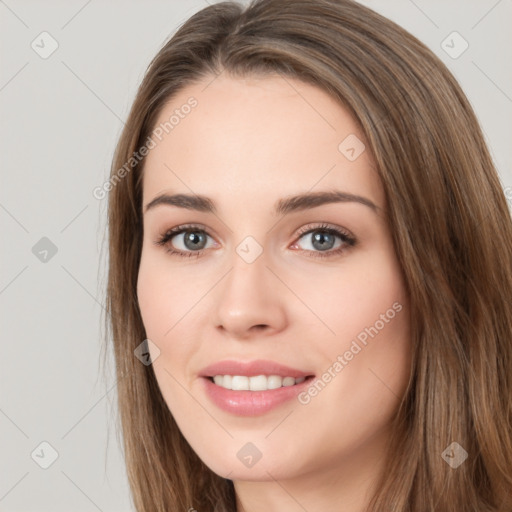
{"type": "Point", "coordinates": [172, 314]}
{"type": "Point", "coordinates": [163, 311]}
{"type": "Point", "coordinates": [154, 298]}
{"type": "Point", "coordinates": [164, 296]}
{"type": "Point", "coordinates": [351, 297]}
{"type": "Point", "coordinates": [374, 299]}
{"type": "Point", "coordinates": [369, 313]}
{"type": "Point", "coordinates": [381, 328]}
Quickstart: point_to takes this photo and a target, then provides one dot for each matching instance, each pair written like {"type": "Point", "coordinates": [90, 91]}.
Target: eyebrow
{"type": "Point", "coordinates": [282, 206]}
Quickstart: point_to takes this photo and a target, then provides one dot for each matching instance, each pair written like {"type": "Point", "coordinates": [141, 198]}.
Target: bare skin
{"type": "Point", "coordinates": [247, 144]}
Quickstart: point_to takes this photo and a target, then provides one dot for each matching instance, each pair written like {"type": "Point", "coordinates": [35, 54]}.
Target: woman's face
{"type": "Point", "coordinates": [273, 280]}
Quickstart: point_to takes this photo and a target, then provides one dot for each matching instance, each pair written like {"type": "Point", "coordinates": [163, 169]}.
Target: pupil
{"type": "Point", "coordinates": [319, 240]}
{"type": "Point", "coordinates": [194, 240]}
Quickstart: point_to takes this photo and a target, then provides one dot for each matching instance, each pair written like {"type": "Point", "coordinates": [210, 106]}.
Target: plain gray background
{"type": "Point", "coordinates": [60, 119]}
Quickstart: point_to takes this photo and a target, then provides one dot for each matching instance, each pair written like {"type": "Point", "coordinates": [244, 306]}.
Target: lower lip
{"type": "Point", "coordinates": [252, 403]}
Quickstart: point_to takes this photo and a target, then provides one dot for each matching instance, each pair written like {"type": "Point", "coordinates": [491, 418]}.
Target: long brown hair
{"type": "Point", "coordinates": [451, 229]}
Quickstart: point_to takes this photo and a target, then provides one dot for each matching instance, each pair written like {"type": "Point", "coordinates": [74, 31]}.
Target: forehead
{"type": "Point", "coordinates": [258, 137]}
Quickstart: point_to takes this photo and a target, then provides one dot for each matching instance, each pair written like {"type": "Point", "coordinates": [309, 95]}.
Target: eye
{"type": "Point", "coordinates": [188, 240]}
{"type": "Point", "coordinates": [324, 240]}
{"type": "Point", "coordinates": [320, 240]}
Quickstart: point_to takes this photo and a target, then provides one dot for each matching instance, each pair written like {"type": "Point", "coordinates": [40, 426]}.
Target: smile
{"type": "Point", "coordinates": [256, 383]}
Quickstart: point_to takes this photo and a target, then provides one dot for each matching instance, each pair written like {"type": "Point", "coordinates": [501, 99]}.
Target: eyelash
{"type": "Point", "coordinates": [345, 236]}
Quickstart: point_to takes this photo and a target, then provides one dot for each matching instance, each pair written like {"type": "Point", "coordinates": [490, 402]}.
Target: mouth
{"type": "Point", "coordinates": [253, 395]}
{"type": "Point", "coordinates": [251, 388]}
{"type": "Point", "coordinates": [256, 382]}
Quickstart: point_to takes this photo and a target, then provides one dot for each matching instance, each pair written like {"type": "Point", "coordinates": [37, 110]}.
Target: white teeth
{"type": "Point", "coordinates": [288, 381]}
{"type": "Point", "coordinates": [257, 383]}
{"type": "Point", "coordinates": [274, 382]}
{"type": "Point", "coordinates": [240, 383]}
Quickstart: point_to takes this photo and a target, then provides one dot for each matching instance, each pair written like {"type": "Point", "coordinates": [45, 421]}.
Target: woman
{"type": "Point", "coordinates": [311, 255]}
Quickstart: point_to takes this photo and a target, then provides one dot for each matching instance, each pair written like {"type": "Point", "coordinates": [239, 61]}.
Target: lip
{"type": "Point", "coordinates": [251, 369]}
{"type": "Point", "coordinates": [251, 403]}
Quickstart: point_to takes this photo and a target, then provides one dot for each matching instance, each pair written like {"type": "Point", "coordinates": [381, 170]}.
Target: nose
{"type": "Point", "coordinates": [249, 301]}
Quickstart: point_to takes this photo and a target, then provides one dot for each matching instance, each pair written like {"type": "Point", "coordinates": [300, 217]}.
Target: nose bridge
{"type": "Point", "coordinates": [249, 295]}
{"type": "Point", "coordinates": [248, 273]}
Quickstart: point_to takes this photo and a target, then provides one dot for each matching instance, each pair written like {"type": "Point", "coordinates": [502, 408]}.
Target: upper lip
{"type": "Point", "coordinates": [251, 368]}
